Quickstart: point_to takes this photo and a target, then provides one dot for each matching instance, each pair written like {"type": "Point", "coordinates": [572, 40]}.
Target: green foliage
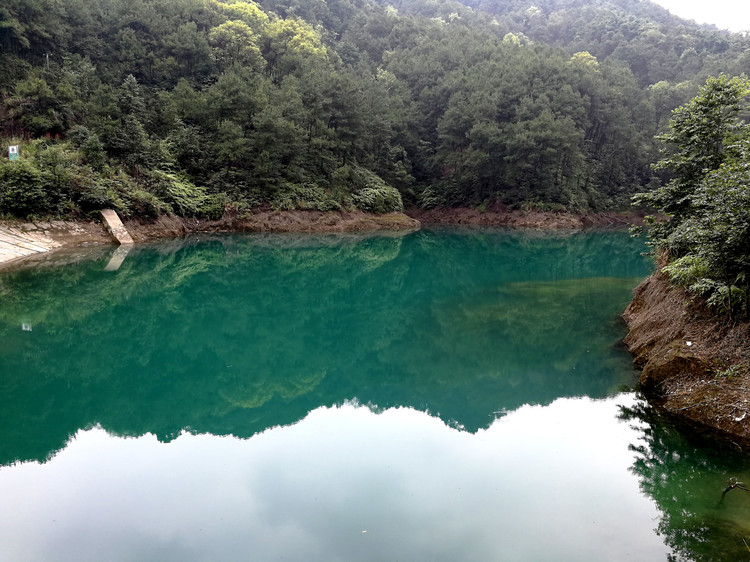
{"type": "Point", "coordinates": [736, 370]}
{"type": "Point", "coordinates": [22, 189]}
{"type": "Point", "coordinates": [290, 45]}
{"type": "Point", "coordinates": [708, 199]}
{"type": "Point", "coordinates": [137, 201]}
{"type": "Point", "coordinates": [248, 12]}
{"type": "Point", "coordinates": [94, 195]}
{"type": "Point", "coordinates": [368, 191]}
{"type": "Point", "coordinates": [382, 199]}
{"type": "Point", "coordinates": [272, 103]}
{"type": "Point", "coordinates": [308, 197]}
{"type": "Point", "coordinates": [642, 36]}
{"type": "Point", "coordinates": [89, 145]}
{"type": "Point", "coordinates": [235, 43]}
{"type": "Point", "coordinates": [185, 198]}
{"type": "Point", "coordinates": [701, 130]}
{"type": "Point", "coordinates": [687, 271]}
{"type": "Point", "coordinates": [728, 299]}
{"type": "Point", "coordinates": [39, 108]}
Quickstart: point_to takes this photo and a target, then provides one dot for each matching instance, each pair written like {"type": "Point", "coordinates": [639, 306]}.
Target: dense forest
{"type": "Point", "coordinates": [198, 106]}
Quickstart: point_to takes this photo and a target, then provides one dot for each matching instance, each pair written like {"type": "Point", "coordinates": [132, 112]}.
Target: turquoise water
{"type": "Point", "coordinates": [442, 395]}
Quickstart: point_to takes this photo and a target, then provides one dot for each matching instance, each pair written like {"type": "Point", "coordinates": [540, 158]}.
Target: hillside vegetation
{"type": "Point", "coordinates": [705, 244]}
{"type": "Point", "coordinates": [196, 106]}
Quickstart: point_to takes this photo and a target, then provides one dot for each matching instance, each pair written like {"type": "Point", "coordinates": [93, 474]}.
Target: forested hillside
{"type": "Point", "coordinates": [194, 106]}
{"type": "Point", "coordinates": [641, 35]}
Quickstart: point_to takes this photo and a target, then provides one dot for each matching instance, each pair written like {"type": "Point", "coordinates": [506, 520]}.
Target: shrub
{"type": "Point", "coordinates": [687, 271]}
{"type": "Point", "coordinates": [383, 199]}
{"type": "Point", "coordinates": [304, 196]}
{"type": "Point", "coordinates": [22, 190]}
{"type": "Point", "coordinates": [131, 199]}
{"type": "Point", "coordinates": [58, 164]}
{"type": "Point", "coordinates": [143, 203]}
{"type": "Point", "coordinates": [186, 198]}
{"type": "Point", "coordinates": [89, 145]}
{"type": "Point", "coordinates": [213, 206]}
{"type": "Point", "coordinates": [92, 195]}
{"type": "Point", "coordinates": [369, 191]}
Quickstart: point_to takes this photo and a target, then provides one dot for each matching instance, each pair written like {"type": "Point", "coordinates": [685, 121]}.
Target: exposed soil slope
{"type": "Point", "coordinates": [542, 220]}
{"type": "Point", "coordinates": [686, 354]}
{"type": "Point", "coordinates": [273, 221]}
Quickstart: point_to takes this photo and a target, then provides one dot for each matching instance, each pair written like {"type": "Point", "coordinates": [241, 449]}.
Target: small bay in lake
{"type": "Point", "coordinates": [443, 395]}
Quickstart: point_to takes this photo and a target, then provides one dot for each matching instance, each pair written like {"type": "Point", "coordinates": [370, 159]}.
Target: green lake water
{"type": "Point", "coordinates": [442, 395]}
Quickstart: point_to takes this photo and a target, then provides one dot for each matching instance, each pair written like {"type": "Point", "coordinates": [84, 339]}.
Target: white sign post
{"type": "Point", "coordinates": [13, 152]}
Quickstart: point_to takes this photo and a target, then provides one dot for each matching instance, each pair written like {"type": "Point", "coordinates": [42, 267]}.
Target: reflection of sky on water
{"type": "Point", "coordinates": [541, 483]}
{"type": "Point", "coordinates": [236, 334]}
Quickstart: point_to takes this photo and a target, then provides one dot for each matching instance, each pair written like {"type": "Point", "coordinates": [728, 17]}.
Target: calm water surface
{"type": "Point", "coordinates": [436, 396]}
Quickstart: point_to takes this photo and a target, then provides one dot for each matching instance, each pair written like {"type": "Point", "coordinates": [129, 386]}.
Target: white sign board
{"type": "Point", "coordinates": [13, 152]}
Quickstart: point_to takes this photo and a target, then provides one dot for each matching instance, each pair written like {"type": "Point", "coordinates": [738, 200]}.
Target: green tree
{"type": "Point", "coordinates": [234, 42]}
{"type": "Point", "coordinates": [701, 131]}
{"type": "Point", "coordinates": [22, 190]}
{"type": "Point", "coordinates": [41, 109]}
{"type": "Point", "coordinates": [707, 235]}
{"type": "Point", "coordinates": [289, 45]}
{"type": "Point", "coordinates": [191, 49]}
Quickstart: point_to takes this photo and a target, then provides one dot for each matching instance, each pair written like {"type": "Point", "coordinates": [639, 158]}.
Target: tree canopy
{"type": "Point", "coordinates": [143, 105]}
{"type": "Point", "coordinates": [707, 201]}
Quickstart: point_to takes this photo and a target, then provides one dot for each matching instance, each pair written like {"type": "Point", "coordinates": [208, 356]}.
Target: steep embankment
{"type": "Point", "coordinates": [690, 360]}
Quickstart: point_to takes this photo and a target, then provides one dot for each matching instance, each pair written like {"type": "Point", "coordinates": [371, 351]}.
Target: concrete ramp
{"type": "Point", "coordinates": [15, 243]}
{"type": "Point", "coordinates": [115, 227]}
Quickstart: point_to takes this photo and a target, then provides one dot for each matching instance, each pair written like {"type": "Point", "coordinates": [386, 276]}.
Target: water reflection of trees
{"type": "Point", "coordinates": [686, 477]}
{"type": "Point", "coordinates": [235, 335]}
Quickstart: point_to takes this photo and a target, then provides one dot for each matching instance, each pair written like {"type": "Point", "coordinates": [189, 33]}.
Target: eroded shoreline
{"type": "Point", "coordinates": [58, 234]}
{"type": "Point", "coordinates": [689, 360]}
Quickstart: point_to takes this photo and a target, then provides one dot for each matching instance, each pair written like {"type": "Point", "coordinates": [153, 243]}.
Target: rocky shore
{"type": "Point", "coordinates": [695, 366]}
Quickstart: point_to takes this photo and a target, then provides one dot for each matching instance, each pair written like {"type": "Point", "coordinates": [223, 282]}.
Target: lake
{"type": "Point", "coordinates": [441, 395]}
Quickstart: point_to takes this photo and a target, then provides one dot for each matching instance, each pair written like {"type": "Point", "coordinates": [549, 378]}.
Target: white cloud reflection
{"type": "Point", "coordinates": [541, 483]}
